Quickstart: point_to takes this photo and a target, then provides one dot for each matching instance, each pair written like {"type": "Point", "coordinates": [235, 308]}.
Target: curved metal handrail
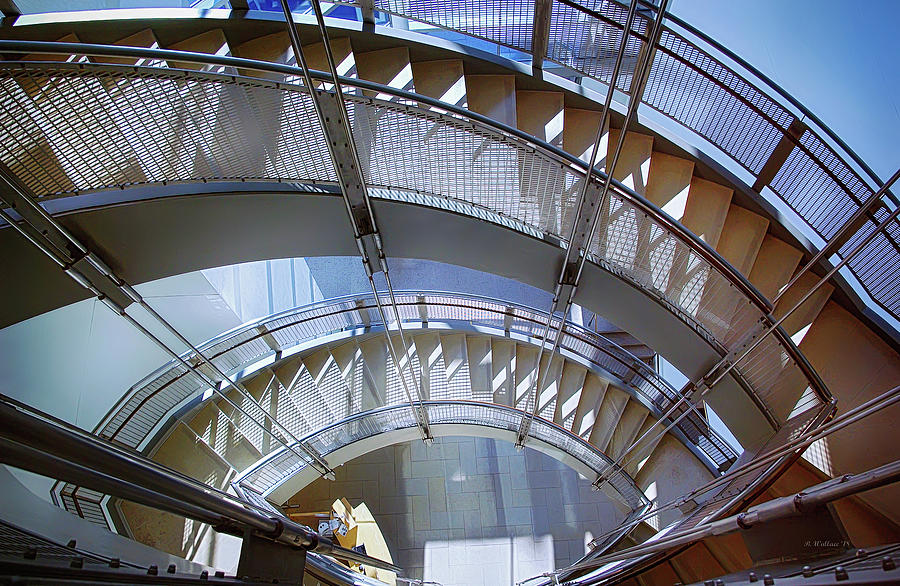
{"type": "Point", "coordinates": [134, 417]}
{"type": "Point", "coordinates": [829, 168]}
{"type": "Point", "coordinates": [701, 289]}
{"type": "Point", "coordinates": [704, 249]}
{"type": "Point", "coordinates": [279, 466]}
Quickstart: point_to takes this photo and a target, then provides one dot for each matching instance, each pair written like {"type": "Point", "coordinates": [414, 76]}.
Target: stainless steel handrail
{"type": "Point", "coordinates": [696, 245]}
{"type": "Point", "coordinates": [657, 392]}
{"type": "Point", "coordinates": [476, 413]}
{"type": "Point", "coordinates": [643, 379]}
{"type": "Point", "coordinates": [704, 249]}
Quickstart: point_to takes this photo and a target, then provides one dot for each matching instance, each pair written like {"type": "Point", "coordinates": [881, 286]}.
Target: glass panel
{"type": "Point", "coordinates": [41, 6]}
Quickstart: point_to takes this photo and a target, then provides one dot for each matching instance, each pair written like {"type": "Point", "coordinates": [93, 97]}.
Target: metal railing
{"type": "Point", "coordinates": [141, 409]}
{"type": "Point", "coordinates": [276, 468]}
{"type": "Point", "coordinates": [711, 505]}
{"type": "Point", "coordinates": [159, 125]}
{"type": "Point", "coordinates": [709, 90]}
{"type": "Point", "coordinates": [147, 407]}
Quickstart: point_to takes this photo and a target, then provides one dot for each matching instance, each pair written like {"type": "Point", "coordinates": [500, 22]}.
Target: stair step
{"type": "Point", "coordinates": [264, 390]}
{"type": "Point", "coordinates": [331, 385]}
{"type": "Point", "coordinates": [145, 39]}
{"type": "Point", "coordinates": [184, 452]}
{"type": "Point", "coordinates": [348, 358]}
{"type": "Point", "coordinates": [796, 324]}
{"type": "Point", "coordinates": [274, 48]}
{"type": "Point", "coordinates": [642, 453]}
{"type": "Point", "coordinates": [456, 363]}
{"type": "Point", "coordinates": [660, 574]}
{"type": "Point", "coordinates": [409, 360]}
{"type": "Point", "coordinates": [550, 373]}
{"type": "Point", "coordinates": [706, 209]}
{"type": "Point", "coordinates": [614, 402]}
{"type": "Point", "coordinates": [696, 564]}
{"type": "Point", "coordinates": [431, 361]}
{"type": "Point", "coordinates": [224, 438]}
{"type": "Point", "coordinates": [580, 132]}
{"type": "Point", "coordinates": [61, 57]}
{"type": "Point", "coordinates": [730, 551]}
{"type": "Point", "coordinates": [286, 409]}
{"type": "Point", "coordinates": [540, 114]}
{"type": "Point", "coordinates": [633, 166]}
{"type": "Point", "coordinates": [303, 394]}
{"type": "Point", "coordinates": [443, 80]}
{"type": "Point", "coordinates": [377, 366]}
{"type": "Point", "coordinates": [775, 262]}
{"type": "Point", "coordinates": [589, 404]}
{"type": "Point", "coordinates": [503, 369]}
{"type": "Point", "coordinates": [570, 386]}
{"type": "Point", "coordinates": [742, 236]}
{"type": "Point", "coordinates": [493, 96]}
{"type": "Point", "coordinates": [669, 182]}
{"type": "Point", "coordinates": [526, 376]}
{"type": "Point", "coordinates": [212, 42]}
{"type": "Point", "coordinates": [478, 349]}
{"type": "Point", "coordinates": [388, 67]}
{"type": "Point", "coordinates": [248, 427]}
{"type": "Point", "coordinates": [627, 430]}
{"type": "Point", "coordinates": [344, 59]}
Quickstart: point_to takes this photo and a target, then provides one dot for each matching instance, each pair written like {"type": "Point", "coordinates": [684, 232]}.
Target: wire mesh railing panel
{"type": "Point", "coordinates": [878, 262]}
{"type": "Point", "coordinates": [269, 474]}
{"type": "Point", "coordinates": [589, 45]}
{"type": "Point", "coordinates": [700, 92]}
{"type": "Point", "coordinates": [641, 250]}
{"type": "Point", "coordinates": [17, 544]}
{"type": "Point", "coordinates": [505, 23]}
{"type": "Point", "coordinates": [163, 126]}
{"type": "Point", "coordinates": [453, 158]}
{"type": "Point", "coordinates": [713, 507]}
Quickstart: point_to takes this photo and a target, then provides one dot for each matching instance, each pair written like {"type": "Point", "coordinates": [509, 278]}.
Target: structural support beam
{"type": "Point", "coordinates": [540, 33]}
{"type": "Point", "coordinates": [9, 9]}
{"type": "Point", "coordinates": [93, 273]}
{"type": "Point", "coordinates": [589, 208]}
{"type": "Point", "coordinates": [367, 8]}
{"type": "Point", "coordinates": [779, 155]}
{"type": "Point", "coordinates": [33, 441]}
{"type": "Point", "coordinates": [335, 121]}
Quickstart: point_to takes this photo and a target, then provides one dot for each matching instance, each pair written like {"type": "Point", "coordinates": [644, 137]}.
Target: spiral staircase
{"type": "Point", "coordinates": [134, 151]}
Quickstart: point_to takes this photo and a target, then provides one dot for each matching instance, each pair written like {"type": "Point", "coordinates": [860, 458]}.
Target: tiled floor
{"type": "Point", "coordinates": [472, 511]}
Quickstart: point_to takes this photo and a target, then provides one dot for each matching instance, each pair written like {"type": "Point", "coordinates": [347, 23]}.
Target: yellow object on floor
{"type": "Point", "coordinates": [363, 530]}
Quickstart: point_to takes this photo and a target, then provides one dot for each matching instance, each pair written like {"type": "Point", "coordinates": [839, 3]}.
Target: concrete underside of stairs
{"type": "Point", "coordinates": [471, 511]}
{"type": "Point", "coordinates": [147, 239]}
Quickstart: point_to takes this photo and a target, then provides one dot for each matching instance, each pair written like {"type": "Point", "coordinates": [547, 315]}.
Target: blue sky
{"type": "Point", "coordinates": [841, 59]}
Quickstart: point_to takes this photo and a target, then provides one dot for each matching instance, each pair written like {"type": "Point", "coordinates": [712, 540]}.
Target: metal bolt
{"type": "Point", "coordinates": [171, 569]}
{"type": "Point", "coordinates": [807, 572]}
{"type": "Point", "coordinates": [220, 574]}
{"type": "Point", "coordinates": [153, 570]}
{"type": "Point", "coordinates": [114, 563]}
{"type": "Point", "coordinates": [204, 575]}
{"type": "Point", "coordinates": [752, 577]}
{"type": "Point", "coordinates": [719, 583]}
{"type": "Point", "coordinates": [76, 562]}
{"type": "Point", "coordinates": [768, 580]}
{"type": "Point", "coordinates": [861, 553]}
{"type": "Point", "coordinates": [840, 573]}
{"type": "Point", "coordinates": [709, 583]}
{"type": "Point", "coordinates": [71, 543]}
{"type": "Point", "coordinates": [887, 563]}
